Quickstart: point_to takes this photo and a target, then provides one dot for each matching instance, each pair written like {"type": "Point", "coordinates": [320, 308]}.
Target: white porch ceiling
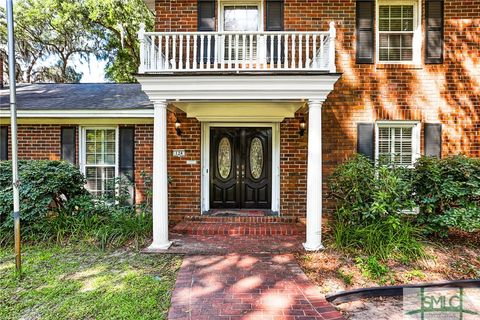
{"type": "Point", "coordinates": [252, 111]}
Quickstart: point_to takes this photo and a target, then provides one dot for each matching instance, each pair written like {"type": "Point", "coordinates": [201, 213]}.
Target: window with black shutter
{"type": "Point", "coordinates": [206, 22]}
{"type": "Point", "coordinates": [365, 31]}
{"type": "Point", "coordinates": [3, 143]}
{"type": "Point", "coordinates": [68, 137]}
{"type": "Point", "coordinates": [434, 22]}
{"type": "Point", "coordinates": [274, 22]}
{"type": "Point", "coordinates": [126, 166]}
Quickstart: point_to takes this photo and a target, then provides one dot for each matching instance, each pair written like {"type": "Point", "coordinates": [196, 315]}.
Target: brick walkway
{"type": "Point", "coordinates": [245, 286]}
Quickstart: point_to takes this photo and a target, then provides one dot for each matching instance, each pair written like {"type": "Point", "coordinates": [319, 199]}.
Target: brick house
{"type": "Point", "coordinates": [250, 104]}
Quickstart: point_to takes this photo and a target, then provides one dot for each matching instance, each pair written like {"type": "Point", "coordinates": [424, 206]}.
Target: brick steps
{"type": "Point", "coordinates": [244, 219]}
{"type": "Point", "coordinates": [236, 228]}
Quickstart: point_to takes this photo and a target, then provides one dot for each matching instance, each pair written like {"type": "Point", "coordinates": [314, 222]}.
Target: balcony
{"type": "Point", "coordinates": [237, 52]}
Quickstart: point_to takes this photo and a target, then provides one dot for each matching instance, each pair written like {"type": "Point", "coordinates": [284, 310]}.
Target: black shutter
{"type": "Point", "coordinates": [434, 31]}
{"type": "Point", "coordinates": [68, 144]}
{"type": "Point", "coordinates": [365, 31]}
{"type": "Point", "coordinates": [3, 143]}
{"type": "Point", "coordinates": [127, 157]}
{"type": "Point", "coordinates": [433, 139]}
{"type": "Point", "coordinates": [365, 139]}
{"type": "Point", "coordinates": [274, 22]}
{"type": "Point", "coordinates": [206, 22]}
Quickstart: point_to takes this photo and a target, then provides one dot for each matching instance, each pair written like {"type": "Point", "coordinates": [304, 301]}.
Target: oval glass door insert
{"type": "Point", "coordinates": [256, 158]}
{"type": "Point", "coordinates": [224, 158]}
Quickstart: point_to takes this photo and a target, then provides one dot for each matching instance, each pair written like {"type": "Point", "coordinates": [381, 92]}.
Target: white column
{"type": "Point", "coordinates": [160, 178]}
{"type": "Point", "coordinates": [314, 177]}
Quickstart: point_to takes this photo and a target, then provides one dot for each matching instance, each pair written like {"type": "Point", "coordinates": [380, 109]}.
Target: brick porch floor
{"type": "Point", "coordinates": [245, 286]}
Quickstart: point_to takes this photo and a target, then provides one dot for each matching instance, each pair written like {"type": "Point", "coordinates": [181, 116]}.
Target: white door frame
{"type": "Point", "coordinates": [205, 160]}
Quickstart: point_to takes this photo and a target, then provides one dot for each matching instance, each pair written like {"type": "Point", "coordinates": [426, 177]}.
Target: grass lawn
{"type": "Point", "coordinates": [80, 282]}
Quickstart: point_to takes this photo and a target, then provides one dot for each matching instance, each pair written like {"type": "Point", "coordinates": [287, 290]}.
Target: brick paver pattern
{"type": "Point", "coordinates": [246, 286]}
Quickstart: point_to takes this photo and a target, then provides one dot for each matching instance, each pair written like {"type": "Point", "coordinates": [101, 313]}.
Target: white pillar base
{"type": "Point", "coordinates": [159, 246]}
{"type": "Point", "coordinates": [313, 247]}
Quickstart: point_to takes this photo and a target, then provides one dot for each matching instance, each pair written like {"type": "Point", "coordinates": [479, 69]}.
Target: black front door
{"type": "Point", "coordinates": [240, 168]}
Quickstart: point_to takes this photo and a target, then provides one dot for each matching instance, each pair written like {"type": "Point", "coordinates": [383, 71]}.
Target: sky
{"type": "Point", "coordinates": [93, 72]}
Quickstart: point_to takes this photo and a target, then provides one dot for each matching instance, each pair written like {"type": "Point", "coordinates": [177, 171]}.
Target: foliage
{"type": "Point", "coordinates": [81, 282]}
{"type": "Point", "coordinates": [371, 201]}
{"type": "Point", "coordinates": [55, 207]}
{"type": "Point", "coordinates": [45, 186]}
{"type": "Point", "coordinates": [373, 269]}
{"type": "Point", "coordinates": [51, 35]}
{"type": "Point", "coordinates": [448, 193]}
{"type": "Point", "coordinates": [117, 23]}
{"type": "Point", "coordinates": [346, 277]}
{"type": "Point", "coordinates": [388, 238]}
{"type": "Point", "coordinates": [366, 193]}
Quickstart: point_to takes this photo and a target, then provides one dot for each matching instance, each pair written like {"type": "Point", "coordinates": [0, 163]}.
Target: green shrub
{"type": "Point", "coordinates": [56, 207]}
{"type": "Point", "coordinates": [365, 192]}
{"type": "Point", "coordinates": [370, 218]}
{"type": "Point", "coordinates": [448, 193]}
{"type": "Point", "coordinates": [44, 186]}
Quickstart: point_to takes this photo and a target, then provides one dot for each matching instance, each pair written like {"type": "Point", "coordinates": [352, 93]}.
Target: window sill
{"type": "Point", "coordinates": [407, 66]}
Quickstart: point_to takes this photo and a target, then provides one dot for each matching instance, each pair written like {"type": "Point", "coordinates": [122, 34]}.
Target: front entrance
{"type": "Point", "coordinates": [240, 168]}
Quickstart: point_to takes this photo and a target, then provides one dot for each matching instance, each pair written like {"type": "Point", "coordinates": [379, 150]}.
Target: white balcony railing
{"type": "Point", "coordinates": [167, 52]}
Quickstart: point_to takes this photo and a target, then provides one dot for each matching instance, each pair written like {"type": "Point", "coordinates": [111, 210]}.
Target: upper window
{"type": "Point", "coordinates": [241, 18]}
{"type": "Point", "coordinates": [100, 160]}
{"type": "Point", "coordinates": [397, 35]}
{"type": "Point", "coordinates": [397, 142]}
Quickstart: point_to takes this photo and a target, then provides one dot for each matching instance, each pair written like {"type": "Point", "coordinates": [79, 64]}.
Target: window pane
{"type": "Point", "coordinates": [395, 145]}
{"type": "Point", "coordinates": [394, 54]}
{"type": "Point", "coordinates": [399, 19]}
{"type": "Point", "coordinates": [240, 18]}
{"type": "Point", "coordinates": [384, 12]}
{"type": "Point", "coordinates": [407, 54]}
{"type": "Point", "coordinates": [100, 150]}
{"type": "Point", "coordinates": [396, 25]}
{"type": "Point", "coordinates": [407, 12]}
{"type": "Point", "coordinates": [395, 12]}
{"type": "Point", "coordinates": [395, 40]}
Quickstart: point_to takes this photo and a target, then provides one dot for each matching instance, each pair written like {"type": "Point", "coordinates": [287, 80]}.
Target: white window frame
{"type": "Point", "coordinates": [223, 4]}
{"type": "Point", "coordinates": [417, 31]}
{"type": "Point", "coordinates": [82, 147]}
{"type": "Point", "coordinates": [415, 125]}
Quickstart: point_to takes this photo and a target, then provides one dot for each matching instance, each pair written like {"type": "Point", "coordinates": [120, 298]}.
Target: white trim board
{"type": "Point", "coordinates": [84, 113]}
{"type": "Point", "coordinates": [205, 161]}
{"type": "Point", "coordinates": [238, 87]}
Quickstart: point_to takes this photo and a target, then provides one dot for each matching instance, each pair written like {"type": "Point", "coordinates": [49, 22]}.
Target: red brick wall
{"type": "Point", "coordinates": [184, 189]}
{"type": "Point", "coordinates": [293, 168]}
{"type": "Point", "coordinates": [37, 142]}
{"type": "Point", "coordinates": [143, 159]}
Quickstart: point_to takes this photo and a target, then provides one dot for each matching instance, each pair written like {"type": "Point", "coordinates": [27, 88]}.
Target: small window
{"type": "Point", "coordinates": [396, 26]}
{"type": "Point", "coordinates": [397, 143]}
{"type": "Point", "coordinates": [100, 160]}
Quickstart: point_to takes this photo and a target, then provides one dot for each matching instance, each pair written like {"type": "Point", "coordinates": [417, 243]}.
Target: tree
{"type": "Point", "coordinates": [51, 34]}
{"type": "Point", "coordinates": [117, 23]}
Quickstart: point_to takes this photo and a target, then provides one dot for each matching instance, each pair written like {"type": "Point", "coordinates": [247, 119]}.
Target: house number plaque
{"type": "Point", "coordinates": [179, 153]}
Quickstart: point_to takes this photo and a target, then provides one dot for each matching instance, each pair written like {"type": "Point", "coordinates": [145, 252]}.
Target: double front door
{"type": "Point", "coordinates": [240, 168]}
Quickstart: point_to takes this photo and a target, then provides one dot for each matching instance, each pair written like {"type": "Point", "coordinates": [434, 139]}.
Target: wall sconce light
{"type": "Point", "coordinates": [303, 126]}
{"type": "Point", "coordinates": [178, 124]}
